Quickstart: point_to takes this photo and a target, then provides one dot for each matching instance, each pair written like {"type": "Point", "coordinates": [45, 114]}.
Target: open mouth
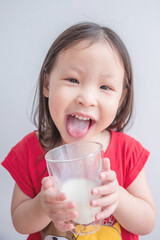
{"type": "Point", "coordinates": [78, 125]}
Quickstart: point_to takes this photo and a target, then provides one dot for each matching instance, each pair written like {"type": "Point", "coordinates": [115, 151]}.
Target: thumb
{"type": "Point", "coordinates": [106, 164]}
{"type": "Point", "coordinates": [48, 182]}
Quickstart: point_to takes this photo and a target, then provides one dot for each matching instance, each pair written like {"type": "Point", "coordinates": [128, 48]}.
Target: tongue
{"type": "Point", "coordinates": [77, 127]}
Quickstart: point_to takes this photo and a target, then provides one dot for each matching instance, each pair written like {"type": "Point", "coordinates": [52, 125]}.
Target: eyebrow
{"type": "Point", "coordinates": [75, 68]}
{"type": "Point", "coordinates": [106, 75]}
{"type": "Point", "coordinates": [78, 69]}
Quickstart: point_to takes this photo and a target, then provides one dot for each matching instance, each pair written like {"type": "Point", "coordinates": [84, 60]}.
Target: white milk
{"type": "Point", "coordinates": [79, 191]}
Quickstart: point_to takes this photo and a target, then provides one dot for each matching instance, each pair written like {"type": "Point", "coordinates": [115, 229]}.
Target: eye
{"type": "Point", "coordinates": [104, 87]}
{"type": "Point", "coordinates": [72, 80]}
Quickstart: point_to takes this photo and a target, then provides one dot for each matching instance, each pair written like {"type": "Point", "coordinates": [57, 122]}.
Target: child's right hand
{"type": "Point", "coordinates": [60, 211]}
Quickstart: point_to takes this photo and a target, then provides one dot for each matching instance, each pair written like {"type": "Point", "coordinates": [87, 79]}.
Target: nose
{"type": "Point", "coordinates": [87, 99]}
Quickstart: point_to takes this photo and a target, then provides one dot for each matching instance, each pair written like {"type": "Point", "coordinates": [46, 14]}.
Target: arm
{"type": "Point", "coordinates": [31, 215]}
{"type": "Point", "coordinates": [133, 207]}
{"type": "Point", "coordinates": [136, 209]}
{"type": "Point", "coordinates": [28, 216]}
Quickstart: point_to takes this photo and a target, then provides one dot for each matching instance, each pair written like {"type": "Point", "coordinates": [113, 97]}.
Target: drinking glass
{"type": "Point", "coordinates": [76, 168]}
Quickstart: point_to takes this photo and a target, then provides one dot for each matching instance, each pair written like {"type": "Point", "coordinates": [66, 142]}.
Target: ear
{"type": "Point", "coordinates": [46, 85]}
{"type": "Point", "coordinates": [123, 96]}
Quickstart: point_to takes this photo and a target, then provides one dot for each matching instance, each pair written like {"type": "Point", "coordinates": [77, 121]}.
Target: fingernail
{"type": "Point", "coordinates": [95, 191]}
{"type": "Point", "coordinates": [94, 203]}
{"type": "Point", "coordinates": [98, 218]}
{"type": "Point", "coordinates": [104, 175]}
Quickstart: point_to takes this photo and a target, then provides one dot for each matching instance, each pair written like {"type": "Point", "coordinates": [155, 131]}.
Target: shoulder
{"type": "Point", "coordinates": [121, 136]}
{"type": "Point", "coordinates": [128, 147]}
{"type": "Point", "coordinates": [125, 141]}
{"type": "Point", "coordinates": [24, 165]}
{"type": "Point", "coordinates": [30, 141]}
{"type": "Point", "coordinates": [29, 138]}
{"type": "Point", "coordinates": [129, 155]}
{"type": "Point", "coordinates": [28, 147]}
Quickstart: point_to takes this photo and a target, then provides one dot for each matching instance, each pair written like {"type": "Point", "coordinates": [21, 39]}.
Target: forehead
{"type": "Point", "coordinates": [85, 49]}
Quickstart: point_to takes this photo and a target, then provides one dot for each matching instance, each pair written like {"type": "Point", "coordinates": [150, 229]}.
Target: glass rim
{"type": "Point", "coordinates": [73, 159]}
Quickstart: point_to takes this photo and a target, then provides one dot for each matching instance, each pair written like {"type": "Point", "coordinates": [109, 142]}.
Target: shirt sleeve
{"type": "Point", "coordinates": [16, 163]}
{"type": "Point", "coordinates": [136, 157]}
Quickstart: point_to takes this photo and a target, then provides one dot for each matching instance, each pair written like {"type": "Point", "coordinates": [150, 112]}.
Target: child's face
{"type": "Point", "coordinates": [85, 89]}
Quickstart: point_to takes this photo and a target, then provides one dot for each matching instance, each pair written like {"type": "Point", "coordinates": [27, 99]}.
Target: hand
{"type": "Point", "coordinates": [109, 192]}
{"type": "Point", "coordinates": [55, 205]}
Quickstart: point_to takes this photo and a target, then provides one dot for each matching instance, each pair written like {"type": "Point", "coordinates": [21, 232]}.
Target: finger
{"type": "Point", "coordinates": [108, 211]}
{"type": "Point", "coordinates": [108, 176]}
{"type": "Point", "coordinates": [48, 182]}
{"type": "Point", "coordinates": [106, 164]}
{"type": "Point", "coordinates": [109, 184]}
{"type": "Point", "coordinates": [51, 196]}
{"type": "Point", "coordinates": [63, 216]}
{"type": "Point", "coordinates": [63, 227]}
{"type": "Point", "coordinates": [61, 206]}
{"type": "Point", "coordinates": [105, 201]}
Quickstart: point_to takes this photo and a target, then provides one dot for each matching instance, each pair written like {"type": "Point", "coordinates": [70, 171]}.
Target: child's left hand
{"type": "Point", "coordinates": [109, 192]}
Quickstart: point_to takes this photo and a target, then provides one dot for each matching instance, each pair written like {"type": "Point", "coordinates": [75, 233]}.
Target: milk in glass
{"type": "Point", "coordinates": [79, 191]}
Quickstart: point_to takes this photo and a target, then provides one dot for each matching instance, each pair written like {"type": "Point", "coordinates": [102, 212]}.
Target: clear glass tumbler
{"type": "Point", "coordinates": [76, 168]}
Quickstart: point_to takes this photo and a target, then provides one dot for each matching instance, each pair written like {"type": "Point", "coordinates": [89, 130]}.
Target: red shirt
{"type": "Point", "coordinates": [26, 164]}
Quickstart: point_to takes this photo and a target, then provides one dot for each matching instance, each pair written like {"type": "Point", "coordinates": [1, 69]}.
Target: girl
{"type": "Point", "coordinates": [85, 94]}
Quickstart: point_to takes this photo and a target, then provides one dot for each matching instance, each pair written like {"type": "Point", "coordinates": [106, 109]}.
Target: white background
{"type": "Point", "coordinates": [27, 29]}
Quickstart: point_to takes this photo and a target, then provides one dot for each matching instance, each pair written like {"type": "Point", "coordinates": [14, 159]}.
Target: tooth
{"type": "Point", "coordinates": [81, 118]}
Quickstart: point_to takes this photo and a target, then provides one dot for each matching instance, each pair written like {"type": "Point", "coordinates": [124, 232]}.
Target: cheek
{"type": "Point", "coordinates": [58, 102]}
{"type": "Point", "coordinates": [110, 110]}
{"type": "Point", "coordinates": [53, 106]}
{"type": "Point", "coordinates": [55, 103]}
